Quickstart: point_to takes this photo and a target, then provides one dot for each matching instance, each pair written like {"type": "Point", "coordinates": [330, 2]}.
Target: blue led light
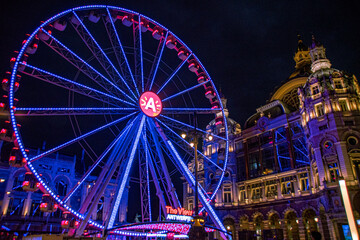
{"type": "Point", "coordinates": [141, 55]}
{"type": "Point", "coordinates": [103, 53]}
{"type": "Point", "coordinates": [79, 138]}
{"type": "Point", "coordinates": [125, 131]}
{"type": "Point", "coordinates": [158, 61]}
{"type": "Point", "coordinates": [122, 49]}
{"type": "Point", "coordinates": [173, 74]}
{"type": "Point", "coordinates": [192, 127]}
{"type": "Point", "coordinates": [89, 66]}
{"type": "Point", "coordinates": [126, 174]}
{"type": "Point", "coordinates": [11, 94]}
{"type": "Point", "coordinates": [198, 151]}
{"type": "Point", "coordinates": [186, 90]}
{"type": "Point", "coordinates": [78, 84]}
{"type": "Point", "coordinates": [201, 194]}
{"type": "Point", "coordinates": [147, 158]}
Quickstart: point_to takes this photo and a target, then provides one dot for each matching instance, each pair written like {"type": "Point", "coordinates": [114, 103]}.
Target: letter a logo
{"type": "Point", "coordinates": [150, 104]}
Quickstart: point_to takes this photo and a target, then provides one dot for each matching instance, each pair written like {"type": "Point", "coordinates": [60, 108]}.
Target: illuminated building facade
{"type": "Point", "coordinates": [285, 164]}
{"type": "Point", "coordinates": [20, 210]}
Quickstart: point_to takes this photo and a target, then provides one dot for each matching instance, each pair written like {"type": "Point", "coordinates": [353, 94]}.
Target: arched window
{"type": "Point", "coordinates": [61, 187]}
{"type": "Point", "coordinates": [292, 226]}
{"type": "Point", "coordinates": [18, 181]}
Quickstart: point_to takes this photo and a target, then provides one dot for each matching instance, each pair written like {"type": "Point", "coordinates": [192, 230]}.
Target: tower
{"type": "Point", "coordinates": [329, 106]}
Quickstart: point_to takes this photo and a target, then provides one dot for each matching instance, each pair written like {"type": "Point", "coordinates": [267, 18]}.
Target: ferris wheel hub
{"type": "Point", "coordinates": [150, 104]}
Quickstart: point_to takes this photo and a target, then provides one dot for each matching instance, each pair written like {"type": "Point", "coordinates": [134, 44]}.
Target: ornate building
{"type": "Point", "coordinates": [285, 163]}
{"type": "Point", "coordinates": [20, 209]}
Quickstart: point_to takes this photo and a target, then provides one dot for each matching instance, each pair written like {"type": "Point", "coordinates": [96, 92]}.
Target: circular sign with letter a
{"type": "Point", "coordinates": [150, 104]}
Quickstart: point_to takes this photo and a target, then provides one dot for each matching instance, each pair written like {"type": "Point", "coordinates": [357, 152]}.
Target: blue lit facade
{"type": "Point", "coordinates": [285, 163]}
{"type": "Point", "coordinates": [20, 210]}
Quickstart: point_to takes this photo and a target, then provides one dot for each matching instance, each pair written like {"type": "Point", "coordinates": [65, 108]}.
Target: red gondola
{"type": "Point", "coordinates": [48, 204]}
{"type": "Point", "coordinates": [16, 158]}
{"type": "Point", "coordinates": [30, 184]}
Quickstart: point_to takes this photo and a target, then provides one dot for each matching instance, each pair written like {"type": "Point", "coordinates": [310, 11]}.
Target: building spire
{"type": "Point", "coordinates": [318, 56]}
{"type": "Point", "coordinates": [302, 57]}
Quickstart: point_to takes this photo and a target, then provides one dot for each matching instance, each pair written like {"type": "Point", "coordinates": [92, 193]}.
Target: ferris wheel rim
{"type": "Point", "coordinates": [12, 108]}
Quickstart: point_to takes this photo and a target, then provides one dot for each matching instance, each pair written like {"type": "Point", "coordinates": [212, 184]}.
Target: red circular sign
{"type": "Point", "coordinates": [150, 104]}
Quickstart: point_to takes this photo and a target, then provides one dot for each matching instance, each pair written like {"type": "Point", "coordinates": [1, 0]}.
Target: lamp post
{"type": "Point", "coordinates": [197, 230]}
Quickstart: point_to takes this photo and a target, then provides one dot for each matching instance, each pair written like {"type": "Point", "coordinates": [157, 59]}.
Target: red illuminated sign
{"type": "Point", "coordinates": [178, 211]}
{"type": "Point", "coordinates": [150, 104]}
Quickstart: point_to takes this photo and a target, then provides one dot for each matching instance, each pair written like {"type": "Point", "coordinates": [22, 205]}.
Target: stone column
{"type": "Point", "coordinates": [279, 195]}
{"type": "Point", "coordinates": [320, 166]}
{"type": "Point", "coordinates": [6, 199]}
{"type": "Point", "coordinates": [27, 205]}
{"type": "Point", "coordinates": [283, 225]}
{"type": "Point", "coordinates": [302, 230]}
{"type": "Point", "coordinates": [344, 161]}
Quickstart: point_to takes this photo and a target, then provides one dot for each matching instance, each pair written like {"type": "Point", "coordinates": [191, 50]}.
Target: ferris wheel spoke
{"type": "Point", "coordinates": [161, 132]}
{"type": "Point", "coordinates": [188, 144]}
{"type": "Point", "coordinates": [73, 86]}
{"type": "Point", "coordinates": [144, 177]}
{"type": "Point", "coordinates": [159, 192]}
{"type": "Point", "coordinates": [190, 110]}
{"type": "Point", "coordinates": [99, 53]}
{"type": "Point", "coordinates": [190, 178]}
{"type": "Point", "coordinates": [192, 127]}
{"type": "Point", "coordinates": [83, 66]}
{"type": "Point", "coordinates": [173, 74]}
{"type": "Point", "coordinates": [125, 175]}
{"type": "Point", "coordinates": [162, 168]}
{"type": "Point", "coordinates": [186, 90]}
{"type": "Point", "coordinates": [101, 158]}
{"type": "Point", "coordinates": [26, 111]}
{"type": "Point", "coordinates": [116, 43]}
{"type": "Point", "coordinates": [55, 149]}
{"type": "Point", "coordinates": [138, 52]}
{"type": "Point", "coordinates": [157, 60]}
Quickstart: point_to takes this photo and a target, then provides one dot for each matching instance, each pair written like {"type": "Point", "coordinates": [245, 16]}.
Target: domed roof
{"type": "Point", "coordinates": [287, 91]}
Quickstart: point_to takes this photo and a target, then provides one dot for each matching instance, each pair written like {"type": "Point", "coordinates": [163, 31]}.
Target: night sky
{"type": "Point", "coordinates": [246, 46]}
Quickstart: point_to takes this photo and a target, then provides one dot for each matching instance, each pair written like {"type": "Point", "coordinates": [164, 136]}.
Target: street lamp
{"type": "Point", "coordinates": [197, 230]}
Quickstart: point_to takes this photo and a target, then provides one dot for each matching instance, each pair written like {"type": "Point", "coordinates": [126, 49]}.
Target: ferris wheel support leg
{"type": "Point", "coordinates": [190, 178]}
{"type": "Point", "coordinates": [125, 176]}
{"type": "Point", "coordinates": [159, 192]}
{"type": "Point", "coordinates": [170, 187]}
{"type": "Point", "coordinates": [103, 180]}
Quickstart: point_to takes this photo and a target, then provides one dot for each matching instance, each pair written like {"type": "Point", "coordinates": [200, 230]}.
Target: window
{"type": "Point", "coordinates": [315, 90]}
{"type": "Point", "coordinates": [254, 164]}
{"type": "Point", "coordinates": [256, 191]}
{"type": "Point", "coordinates": [287, 186]}
{"type": "Point", "coordinates": [241, 168]}
{"type": "Point", "coordinates": [268, 160]}
{"type": "Point", "coordinates": [61, 187]}
{"type": "Point", "coordinates": [18, 181]}
{"type": "Point", "coordinates": [319, 109]}
{"type": "Point", "coordinates": [189, 189]}
{"type": "Point", "coordinates": [343, 105]}
{"type": "Point", "coordinates": [242, 194]}
{"type": "Point", "coordinates": [334, 172]}
{"type": "Point", "coordinates": [35, 209]}
{"type": "Point", "coordinates": [338, 84]}
{"type": "Point", "coordinates": [227, 194]}
{"type": "Point", "coordinates": [271, 189]}
{"type": "Point", "coordinates": [304, 182]}
{"type": "Point", "coordinates": [190, 204]}
{"type": "Point", "coordinates": [208, 150]}
{"type": "Point", "coordinates": [15, 206]}
{"type": "Point", "coordinates": [238, 146]}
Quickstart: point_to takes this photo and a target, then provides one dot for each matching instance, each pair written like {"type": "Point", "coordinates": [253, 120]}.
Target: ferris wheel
{"type": "Point", "coordinates": [119, 87]}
